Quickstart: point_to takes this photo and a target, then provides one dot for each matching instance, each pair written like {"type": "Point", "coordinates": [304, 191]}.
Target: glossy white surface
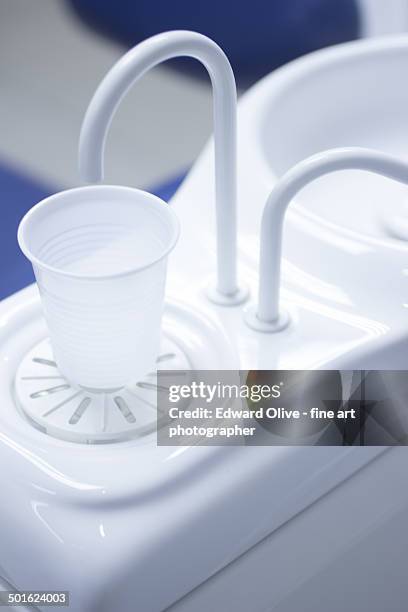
{"type": "Point", "coordinates": [345, 289]}
{"type": "Point", "coordinates": [348, 95]}
{"type": "Point", "coordinates": [114, 517]}
{"type": "Point", "coordinates": [347, 553]}
{"type": "Point", "coordinates": [148, 524]}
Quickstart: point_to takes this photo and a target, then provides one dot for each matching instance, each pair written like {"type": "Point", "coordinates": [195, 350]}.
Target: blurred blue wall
{"type": "Point", "coordinates": [257, 35]}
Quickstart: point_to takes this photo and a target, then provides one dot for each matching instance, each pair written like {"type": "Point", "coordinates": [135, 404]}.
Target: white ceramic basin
{"type": "Point", "coordinates": [350, 95]}
{"type": "Point", "coordinates": [344, 273]}
{"type": "Point", "coordinates": [110, 519]}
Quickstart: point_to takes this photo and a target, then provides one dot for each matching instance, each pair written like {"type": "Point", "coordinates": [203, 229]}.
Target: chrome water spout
{"type": "Point", "coordinates": [113, 88]}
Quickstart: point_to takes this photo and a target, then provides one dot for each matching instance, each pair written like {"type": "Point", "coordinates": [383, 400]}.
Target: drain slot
{"type": "Point", "coordinates": [125, 410]}
{"type": "Point", "coordinates": [49, 391]}
{"type": "Point", "coordinates": [42, 378]}
{"type": "Point", "coordinates": [79, 411]}
{"type": "Point", "coordinates": [47, 362]}
{"type": "Point", "coordinates": [165, 357]}
{"type": "Point", "coordinates": [151, 387]}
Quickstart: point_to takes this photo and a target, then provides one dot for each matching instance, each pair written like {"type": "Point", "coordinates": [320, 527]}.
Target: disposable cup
{"type": "Point", "coordinates": [99, 255]}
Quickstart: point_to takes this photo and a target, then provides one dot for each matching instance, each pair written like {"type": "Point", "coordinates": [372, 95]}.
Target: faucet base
{"type": "Point", "coordinates": [268, 327]}
{"type": "Point", "coordinates": [221, 299]}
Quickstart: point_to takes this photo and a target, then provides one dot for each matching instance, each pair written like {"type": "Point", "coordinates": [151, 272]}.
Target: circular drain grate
{"type": "Point", "coordinates": [71, 413]}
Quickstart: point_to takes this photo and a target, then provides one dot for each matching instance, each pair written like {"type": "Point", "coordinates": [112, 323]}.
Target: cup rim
{"type": "Point", "coordinates": [48, 201]}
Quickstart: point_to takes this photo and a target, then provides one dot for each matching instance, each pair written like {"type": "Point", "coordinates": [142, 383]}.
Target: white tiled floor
{"type": "Point", "coordinates": [50, 64]}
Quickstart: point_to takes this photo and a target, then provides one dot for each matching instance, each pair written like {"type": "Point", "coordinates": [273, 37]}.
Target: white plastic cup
{"type": "Point", "coordinates": [99, 255]}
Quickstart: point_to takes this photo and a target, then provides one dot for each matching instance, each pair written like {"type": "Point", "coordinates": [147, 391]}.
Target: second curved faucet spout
{"type": "Point", "coordinates": [267, 315]}
{"type": "Point", "coordinates": [113, 88]}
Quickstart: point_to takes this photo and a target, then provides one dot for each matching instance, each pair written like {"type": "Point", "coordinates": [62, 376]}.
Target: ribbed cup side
{"type": "Point", "coordinates": [99, 254]}
{"type": "Point", "coordinates": [104, 333]}
{"type": "Point", "coordinates": [99, 249]}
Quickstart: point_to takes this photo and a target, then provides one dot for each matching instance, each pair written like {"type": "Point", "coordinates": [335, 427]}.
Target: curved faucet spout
{"type": "Point", "coordinates": [113, 88]}
{"type": "Point", "coordinates": [267, 315]}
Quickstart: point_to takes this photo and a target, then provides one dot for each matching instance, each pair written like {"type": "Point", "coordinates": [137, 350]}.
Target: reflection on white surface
{"type": "Point", "coordinates": [36, 506]}
{"type": "Point", "coordinates": [45, 467]}
{"type": "Point", "coordinates": [313, 284]}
